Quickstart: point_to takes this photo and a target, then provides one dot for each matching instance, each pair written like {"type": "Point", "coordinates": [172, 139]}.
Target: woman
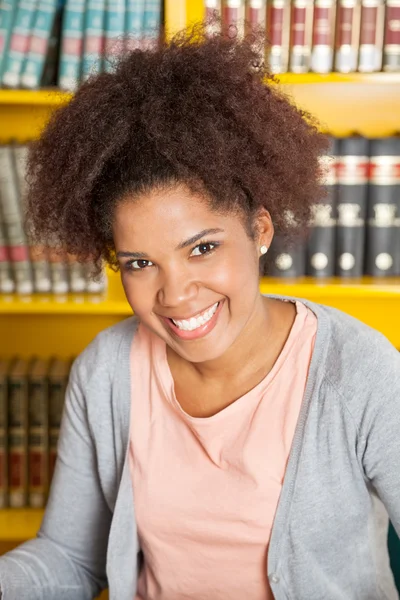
{"type": "Point", "coordinates": [220, 444]}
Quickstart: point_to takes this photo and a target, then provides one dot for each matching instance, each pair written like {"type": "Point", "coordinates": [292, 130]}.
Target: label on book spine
{"type": "Point", "coordinates": [391, 50]}
{"type": "Point", "coordinates": [323, 36]}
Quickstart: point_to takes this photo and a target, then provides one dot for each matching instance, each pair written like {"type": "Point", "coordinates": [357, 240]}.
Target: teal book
{"type": "Point", "coordinates": [114, 32]}
{"type": "Point", "coordinates": [8, 10]}
{"type": "Point", "coordinates": [38, 44]}
{"type": "Point", "coordinates": [151, 22]}
{"type": "Point", "coordinates": [93, 44]}
{"type": "Point", "coordinates": [19, 42]}
{"type": "Point", "coordinates": [71, 45]}
{"type": "Point", "coordinates": [134, 23]}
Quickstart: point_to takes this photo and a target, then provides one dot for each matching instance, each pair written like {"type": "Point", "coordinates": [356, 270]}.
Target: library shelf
{"type": "Point", "coordinates": [19, 524]}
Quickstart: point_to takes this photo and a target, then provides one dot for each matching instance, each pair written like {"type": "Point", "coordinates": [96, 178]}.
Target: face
{"type": "Point", "coordinates": [189, 273]}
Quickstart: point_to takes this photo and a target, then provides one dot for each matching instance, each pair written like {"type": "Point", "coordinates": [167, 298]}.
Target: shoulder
{"type": "Point", "coordinates": [109, 348]}
{"type": "Point", "coordinates": [359, 362]}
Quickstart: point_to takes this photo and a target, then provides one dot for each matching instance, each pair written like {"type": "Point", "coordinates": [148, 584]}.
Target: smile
{"type": "Point", "coordinates": [196, 322]}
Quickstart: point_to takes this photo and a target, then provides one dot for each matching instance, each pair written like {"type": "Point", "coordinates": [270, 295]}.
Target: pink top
{"type": "Point", "coordinates": [206, 489]}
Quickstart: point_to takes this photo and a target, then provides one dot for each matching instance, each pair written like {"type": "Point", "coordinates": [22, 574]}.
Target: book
{"type": "Point", "coordinates": [77, 274]}
{"type": "Point", "coordinates": [8, 9]}
{"type": "Point", "coordinates": [6, 279]}
{"type": "Point", "coordinates": [38, 254]}
{"type": "Point", "coordinates": [57, 380]}
{"type": "Point", "coordinates": [134, 23]}
{"type": "Point", "coordinates": [38, 480]}
{"type": "Point", "coordinates": [71, 45]}
{"type": "Point", "coordinates": [4, 366]}
{"type": "Point", "coordinates": [301, 22]}
{"type": "Point", "coordinates": [19, 42]}
{"type": "Point", "coordinates": [256, 21]}
{"type": "Point", "coordinates": [278, 29]}
{"type": "Point", "coordinates": [93, 38]}
{"type": "Point", "coordinates": [352, 181]}
{"type": "Point", "coordinates": [371, 35]}
{"type": "Point", "coordinates": [383, 203]}
{"type": "Point", "coordinates": [59, 271]}
{"type": "Point", "coordinates": [38, 44]}
{"type": "Point", "coordinates": [12, 219]}
{"type": "Point", "coordinates": [233, 13]}
{"type": "Point", "coordinates": [287, 259]}
{"type": "Point", "coordinates": [391, 47]}
{"type": "Point", "coordinates": [151, 23]}
{"type": "Point", "coordinates": [347, 35]}
{"type": "Point", "coordinates": [212, 16]}
{"type": "Point", "coordinates": [323, 36]}
{"type": "Point", "coordinates": [18, 433]}
{"type": "Point", "coordinates": [322, 235]}
{"type": "Point", "coordinates": [114, 32]}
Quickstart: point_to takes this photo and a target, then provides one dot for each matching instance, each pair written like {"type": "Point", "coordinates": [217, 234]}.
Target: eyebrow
{"type": "Point", "coordinates": [185, 244]}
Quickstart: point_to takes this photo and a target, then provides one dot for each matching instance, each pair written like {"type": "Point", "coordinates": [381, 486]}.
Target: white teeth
{"type": "Point", "coordinates": [195, 322]}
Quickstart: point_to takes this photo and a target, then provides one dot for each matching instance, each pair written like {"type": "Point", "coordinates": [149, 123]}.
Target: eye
{"type": "Point", "coordinates": [202, 249]}
{"type": "Point", "coordinates": [138, 265]}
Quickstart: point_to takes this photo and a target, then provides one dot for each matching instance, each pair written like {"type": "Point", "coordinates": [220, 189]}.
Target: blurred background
{"type": "Point", "coordinates": [338, 59]}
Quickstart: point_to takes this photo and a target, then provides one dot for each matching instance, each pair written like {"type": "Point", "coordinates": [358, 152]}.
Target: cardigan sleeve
{"type": "Point", "coordinates": [67, 560]}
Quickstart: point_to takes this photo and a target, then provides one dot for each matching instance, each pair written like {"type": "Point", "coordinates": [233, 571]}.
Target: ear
{"type": "Point", "coordinates": [263, 228]}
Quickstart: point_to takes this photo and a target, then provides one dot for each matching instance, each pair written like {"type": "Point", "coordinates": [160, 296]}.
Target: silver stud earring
{"type": "Point", "coordinates": [264, 249]}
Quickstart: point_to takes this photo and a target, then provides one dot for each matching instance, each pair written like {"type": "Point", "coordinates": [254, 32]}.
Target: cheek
{"type": "Point", "coordinates": [138, 294]}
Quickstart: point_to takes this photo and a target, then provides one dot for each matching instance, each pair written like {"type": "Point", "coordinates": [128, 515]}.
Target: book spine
{"type": "Point", "coordinates": [233, 12]}
{"type": "Point", "coordinates": [323, 36]}
{"type": "Point", "coordinates": [77, 275]}
{"type": "Point", "coordinates": [300, 35]}
{"type": "Point", "coordinates": [59, 272]}
{"type": "Point", "coordinates": [95, 286]}
{"type": "Point", "coordinates": [8, 10]}
{"type": "Point", "coordinates": [151, 23]}
{"type": "Point", "coordinates": [347, 35]}
{"type": "Point", "coordinates": [93, 45]}
{"type": "Point", "coordinates": [19, 42]}
{"type": "Point", "coordinates": [18, 439]}
{"type": "Point", "coordinates": [3, 435]}
{"type": "Point", "coordinates": [12, 218]}
{"type": "Point", "coordinates": [321, 243]}
{"type": "Point", "coordinates": [7, 284]}
{"type": "Point", "coordinates": [38, 437]}
{"type": "Point", "coordinates": [212, 16]}
{"type": "Point", "coordinates": [38, 44]}
{"type": "Point", "coordinates": [114, 33]}
{"type": "Point", "coordinates": [371, 36]}
{"type": "Point", "coordinates": [352, 178]}
{"type": "Point", "coordinates": [57, 388]}
{"type": "Point", "coordinates": [134, 24]}
{"type": "Point", "coordinates": [256, 15]}
{"type": "Point", "coordinates": [383, 194]}
{"type": "Point", "coordinates": [391, 47]}
{"type": "Point", "coordinates": [71, 45]}
{"type": "Point", "coordinates": [278, 21]}
{"type": "Point", "coordinates": [288, 259]}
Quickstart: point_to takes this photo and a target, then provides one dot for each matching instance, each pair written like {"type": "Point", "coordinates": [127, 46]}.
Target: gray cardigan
{"type": "Point", "coordinates": [329, 534]}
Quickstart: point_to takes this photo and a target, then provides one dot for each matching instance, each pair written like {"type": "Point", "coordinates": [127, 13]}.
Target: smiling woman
{"type": "Point", "coordinates": [220, 444]}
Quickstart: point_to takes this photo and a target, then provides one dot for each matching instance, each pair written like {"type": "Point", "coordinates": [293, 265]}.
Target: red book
{"type": "Point", "coordinates": [212, 13]}
{"type": "Point", "coordinates": [347, 35]}
{"type": "Point", "coordinates": [256, 15]}
{"type": "Point", "coordinates": [323, 36]}
{"type": "Point", "coordinates": [301, 35]}
{"type": "Point", "coordinates": [278, 22]}
{"type": "Point", "coordinates": [233, 18]}
{"type": "Point", "coordinates": [371, 35]}
{"type": "Point", "coordinates": [391, 48]}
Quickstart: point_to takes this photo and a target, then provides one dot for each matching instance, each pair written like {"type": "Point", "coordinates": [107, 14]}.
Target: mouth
{"type": "Point", "coordinates": [195, 327]}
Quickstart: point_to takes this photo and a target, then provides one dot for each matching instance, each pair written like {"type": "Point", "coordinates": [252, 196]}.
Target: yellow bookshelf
{"type": "Point", "coordinates": [365, 103]}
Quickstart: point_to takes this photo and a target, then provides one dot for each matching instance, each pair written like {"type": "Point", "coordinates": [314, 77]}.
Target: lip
{"type": "Point", "coordinates": [201, 331]}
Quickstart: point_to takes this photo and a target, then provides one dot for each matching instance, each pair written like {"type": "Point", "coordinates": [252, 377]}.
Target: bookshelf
{"type": "Point", "coordinates": [44, 325]}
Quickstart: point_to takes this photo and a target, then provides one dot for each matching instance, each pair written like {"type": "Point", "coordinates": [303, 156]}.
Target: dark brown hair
{"type": "Point", "coordinates": [203, 112]}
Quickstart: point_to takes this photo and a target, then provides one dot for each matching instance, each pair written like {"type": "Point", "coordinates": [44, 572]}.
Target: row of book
{"type": "Point", "coordinates": [355, 229]}
{"type": "Point", "coordinates": [32, 393]}
{"type": "Point", "coordinates": [26, 268]}
{"type": "Point", "coordinates": [318, 35]}
{"type": "Point", "coordinates": [49, 42]}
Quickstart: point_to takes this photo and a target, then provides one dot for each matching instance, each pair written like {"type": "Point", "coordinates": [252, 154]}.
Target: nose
{"type": "Point", "coordinates": [177, 289]}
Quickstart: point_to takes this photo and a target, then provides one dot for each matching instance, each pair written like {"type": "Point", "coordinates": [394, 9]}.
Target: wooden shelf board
{"type": "Point", "coordinates": [19, 524]}
{"type": "Point", "coordinates": [46, 97]}
{"type": "Point", "coordinates": [70, 304]}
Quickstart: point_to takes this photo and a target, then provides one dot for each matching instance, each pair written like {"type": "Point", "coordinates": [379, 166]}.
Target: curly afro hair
{"type": "Point", "coordinates": [197, 111]}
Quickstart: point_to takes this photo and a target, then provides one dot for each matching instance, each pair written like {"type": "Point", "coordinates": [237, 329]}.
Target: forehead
{"type": "Point", "coordinates": [173, 212]}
